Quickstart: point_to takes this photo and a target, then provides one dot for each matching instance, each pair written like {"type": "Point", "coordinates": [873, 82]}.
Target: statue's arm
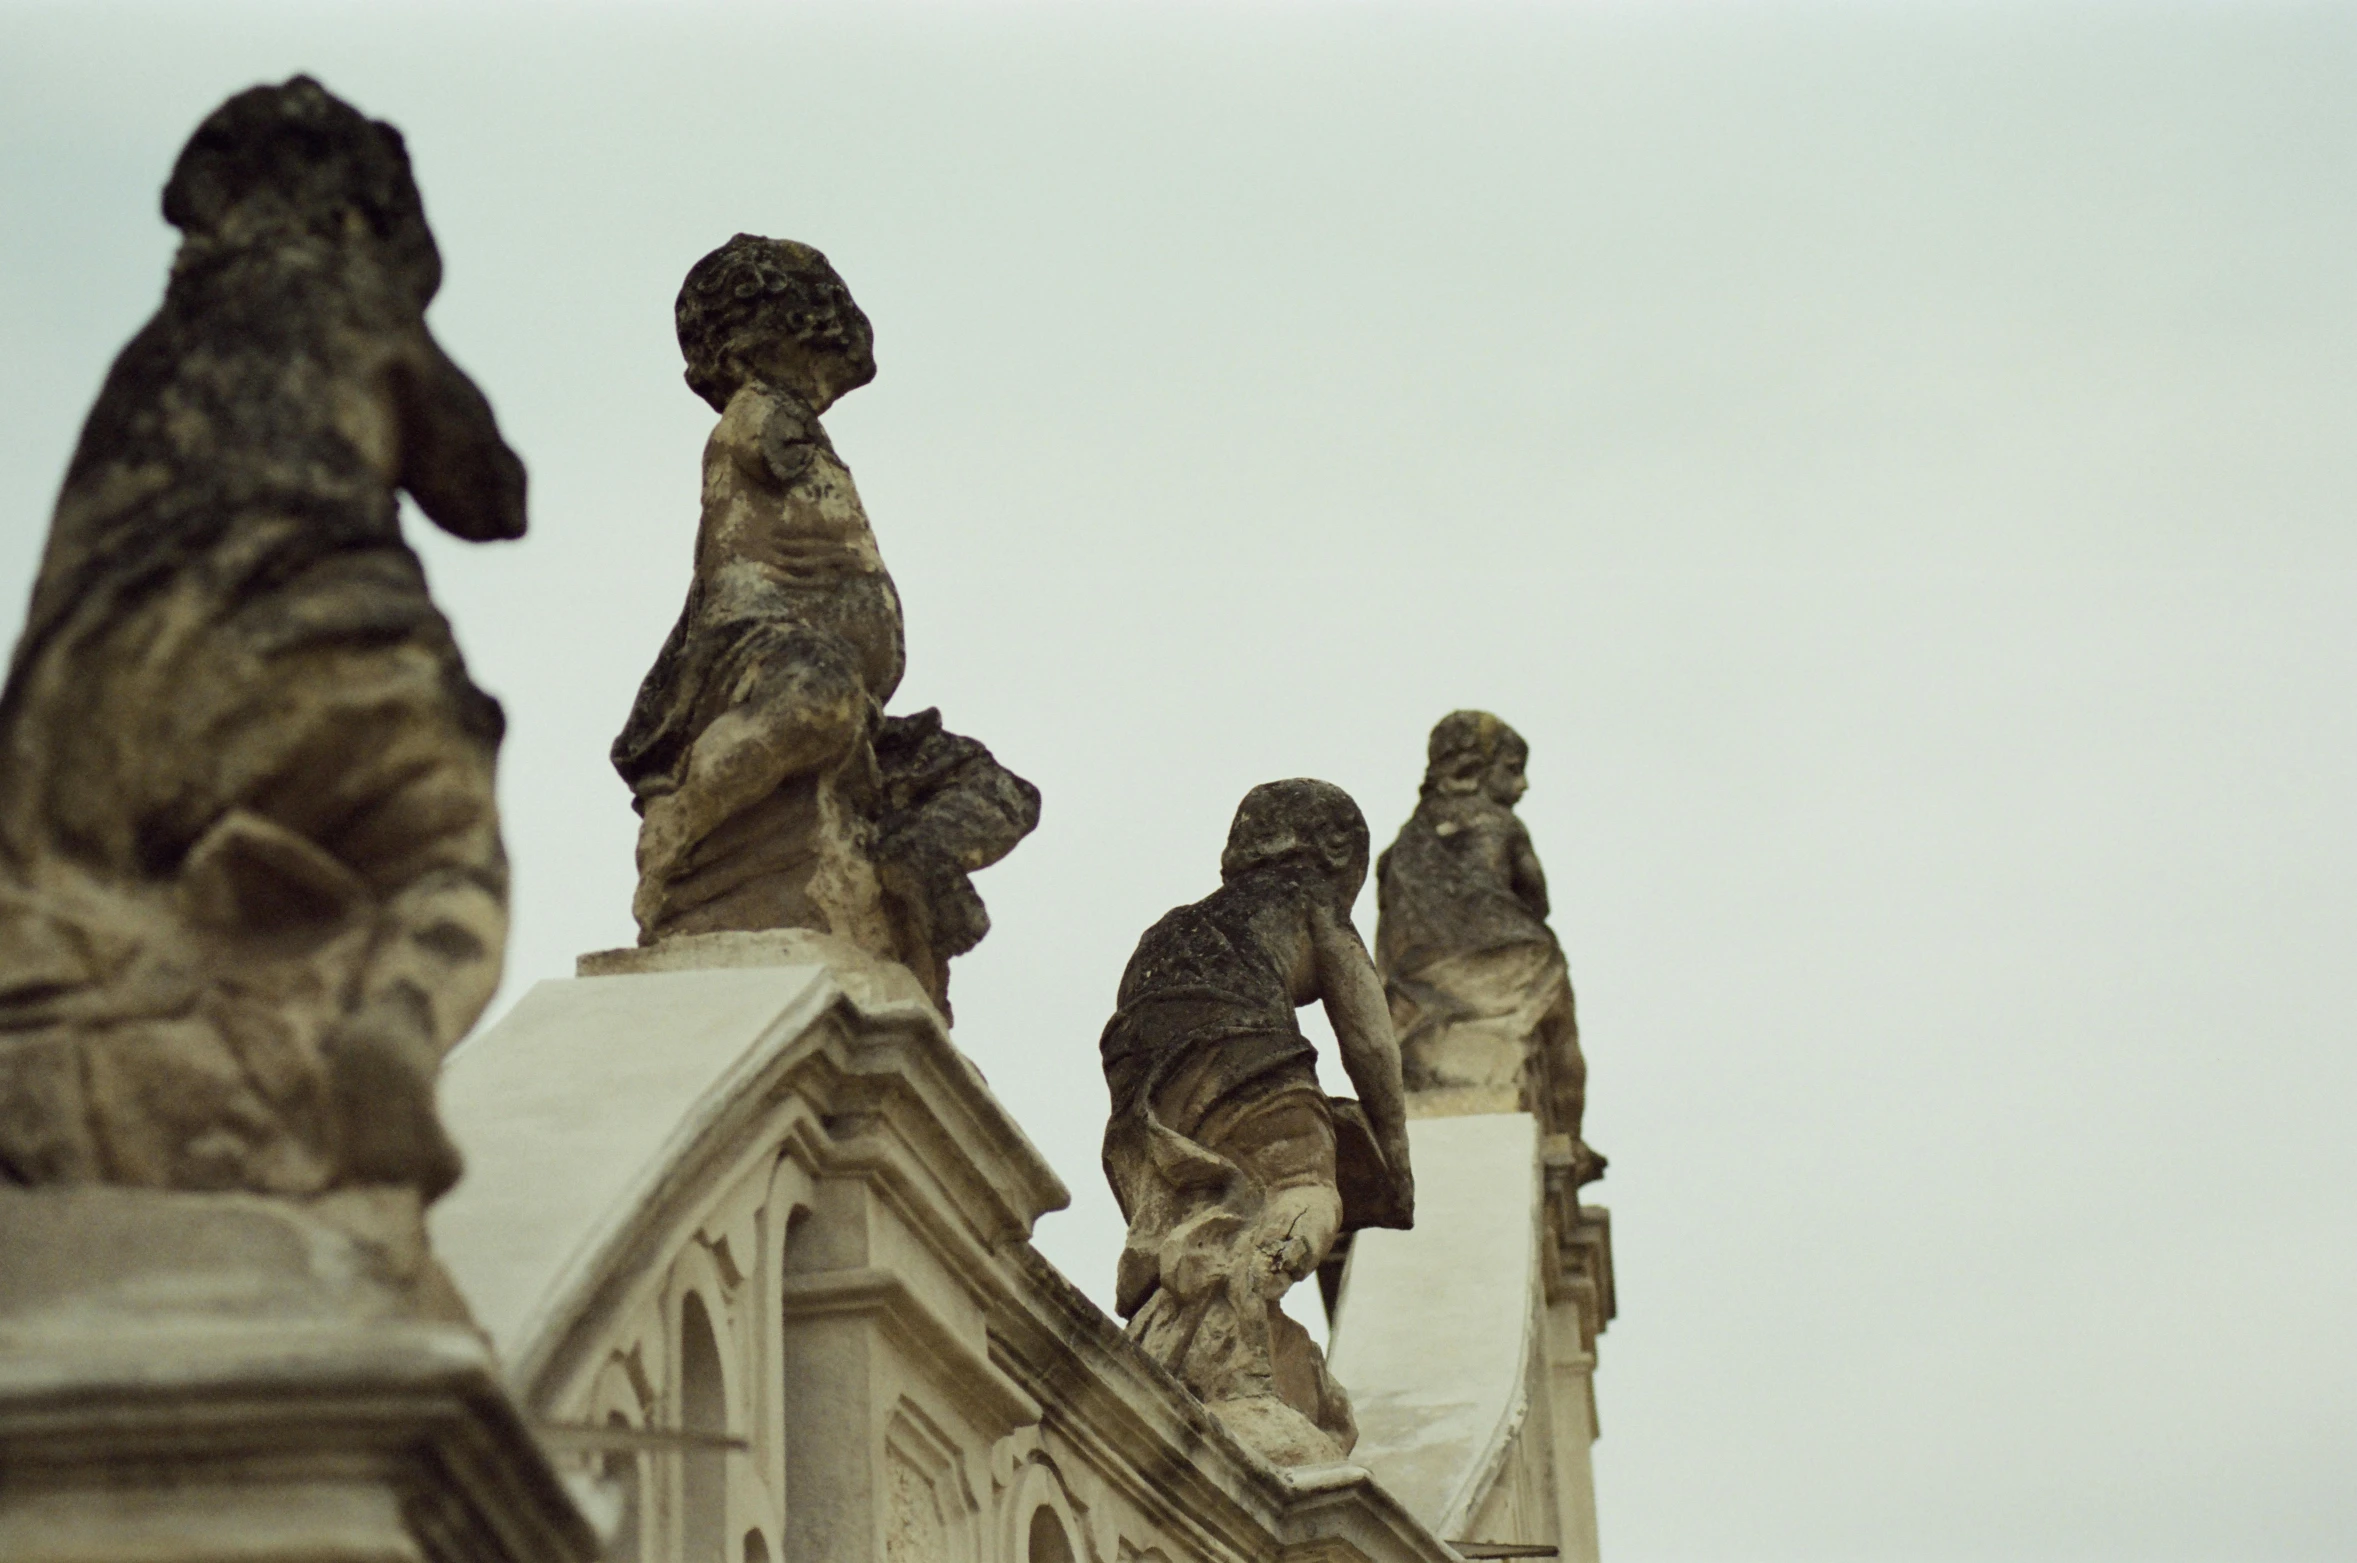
{"type": "Point", "coordinates": [770, 437]}
{"type": "Point", "coordinates": [790, 440]}
{"type": "Point", "coordinates": [453, 461]}
{"type": "Point", "coordinates": [1530, 880]}
{"type": "Point", "coordinates": [1353, 996]}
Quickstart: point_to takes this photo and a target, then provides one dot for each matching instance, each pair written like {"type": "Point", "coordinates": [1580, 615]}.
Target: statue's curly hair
{"type": "Point", "coordinates": [1313, 823]}
{"type": "Point", "coordinates": [749, 291]}
{"type": "Point", "coordinates": [297, 158]}
{"type": "Point", "coordinates": [1465, 744]}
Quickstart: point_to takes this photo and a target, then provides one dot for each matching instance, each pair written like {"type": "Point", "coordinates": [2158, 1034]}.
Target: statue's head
{"type": "Point", "coordinates": [1472, 751]}
{"type": "Point", "coordinates": [1305, 823]}
{"type": "Point", "coordinates": [772, 310]}
{"type": "Point", "coordinates": [295, 162]}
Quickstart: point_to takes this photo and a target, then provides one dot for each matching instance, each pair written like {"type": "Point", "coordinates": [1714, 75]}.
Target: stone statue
{"type": "Point", "coordinates": [251, 882]}
{"type": "Point", "coordinates": [1235, 1171]}
{"type": "Point", "coordinates": [773, 791]}
{"type": "Point", "coordinates": [1479, 990]}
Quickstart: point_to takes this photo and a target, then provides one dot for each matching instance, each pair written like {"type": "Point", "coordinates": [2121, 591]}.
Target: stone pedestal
{"type": "Point", "coordinates": [190, 1378]}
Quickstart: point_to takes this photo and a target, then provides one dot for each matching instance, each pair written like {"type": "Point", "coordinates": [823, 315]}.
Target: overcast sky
{"type": "Point", "coordinates": [1895, 464]}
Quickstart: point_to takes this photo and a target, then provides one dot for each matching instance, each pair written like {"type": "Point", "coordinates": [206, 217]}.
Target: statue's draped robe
{"type": "Point", "coordinates": [790, 615]}
{"type": "Point", "coordinates": [947, 809]}
{"type": "Point", "coordinates": [787, 572]}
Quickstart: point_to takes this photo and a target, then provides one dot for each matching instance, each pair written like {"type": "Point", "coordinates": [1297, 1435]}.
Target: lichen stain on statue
{"type": "Point", "coordinates": [773, 792]}
{"type": "Point", "coordinates": [1479, 990]}
{"type": "Point", "coordinates": [251, 880]}
{"type": "Point", "coordinates": [1235, 1171]}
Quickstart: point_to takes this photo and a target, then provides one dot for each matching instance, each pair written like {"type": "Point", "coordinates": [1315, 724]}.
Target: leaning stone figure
{"type": "Point", "coordinates": [1479, 990]}
{"type": "Point", "coordinates": [1235, 1171]}
{"type": "Point", "coordinates": [772, 790]}
{"type": "Point", "coordinates": [251, 882]}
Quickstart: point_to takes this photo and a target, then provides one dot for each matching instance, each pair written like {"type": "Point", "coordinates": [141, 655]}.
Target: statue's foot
{"type": "Point", "coordinates": [1275, 1431]}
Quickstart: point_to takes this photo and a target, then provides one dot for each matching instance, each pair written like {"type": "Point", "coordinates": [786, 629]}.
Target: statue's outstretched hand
{"type": "Point", "coordinates": [1284, 1260]}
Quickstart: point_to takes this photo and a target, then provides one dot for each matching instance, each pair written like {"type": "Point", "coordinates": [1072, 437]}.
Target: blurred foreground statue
{"type": "Point", "coordinates": [773, 790]}
{"type": "Point", "coordinates": [1480, 992]}
{"type": "Point", "coordinates": [251, 883]}
{"type": "Point", "coordinates": [1235, 1171]}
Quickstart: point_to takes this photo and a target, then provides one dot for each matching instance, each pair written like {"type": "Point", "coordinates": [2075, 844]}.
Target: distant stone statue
{"type": "Point", "coordinates": [251, 882]}
{"type": "Point", "coordinates": [1479, 989]}
{"type": "Point", "coordinates": [773, 791]}
{"type": "Point", "coordinates": [1235, 1171]}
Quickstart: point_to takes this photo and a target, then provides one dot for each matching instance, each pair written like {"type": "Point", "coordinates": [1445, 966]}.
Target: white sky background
{"type": "Point", "coordinates": [1894, 463]}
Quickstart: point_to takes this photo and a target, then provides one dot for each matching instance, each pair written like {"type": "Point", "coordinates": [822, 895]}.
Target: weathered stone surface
{"type": "Point", "coordinates": [1479, 990]}
{"type": "Point", "coordinates": [251, 882]}
{"type": "Point", "coordinates": [1230, 1163]}
{"type": "Point", "coordinates": [773, 791]}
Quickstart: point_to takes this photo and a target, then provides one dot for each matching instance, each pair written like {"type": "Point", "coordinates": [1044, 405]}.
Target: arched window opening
{"type": "Point", "coordinates": [703, 1408]}
{"type": "Point", "coordinates": [1049, 1544]}
{"type": "Point", "coordinates": [756, 1549]}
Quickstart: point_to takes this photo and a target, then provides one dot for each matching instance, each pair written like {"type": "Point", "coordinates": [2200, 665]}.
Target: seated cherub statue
{"type": "Point", "coordinates": [773, 792]}
{"type": "Point", "coordinates": [251, 882]}
{"type": "Point", "coordinates": [1479, 990]}
{"type": "Point", "coordinates": [1235, 1171]}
